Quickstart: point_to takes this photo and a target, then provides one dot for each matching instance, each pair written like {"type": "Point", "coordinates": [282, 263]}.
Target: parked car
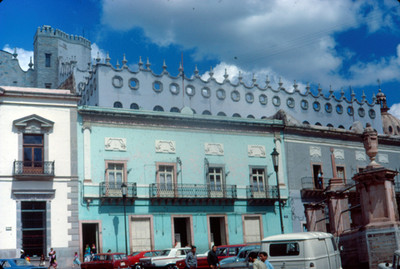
{"type": "Point", "coordinates": [107, 261]}
{"type": "Point", "coordinates": [166, 259]}
{"type": "Point", "coordinates": [302, 250]}
{"type": "Point", "coordinates": [223, 252]}
{"type": "Point", "coordinates": [233, 262]}
{"type": "Point", "coordinates": [18, 264]}
{"type": "Point", "coordinates": [134, 258]}
{"type": "Point", "coordinates": [395, 262]}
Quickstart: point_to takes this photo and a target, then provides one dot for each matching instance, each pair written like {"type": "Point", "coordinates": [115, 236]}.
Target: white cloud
{"type": "Point", "coordinates": [294, 39]}
{"type": "Point", "coordinates": [23, 57]}
{"type": "Point", "coordinates": [98, 53]}
{"type": "Point", "coordinates": [395, 110]}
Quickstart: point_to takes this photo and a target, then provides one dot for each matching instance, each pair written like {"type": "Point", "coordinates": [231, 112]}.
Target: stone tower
{"type": "Point", "coordinates": [57, 54]}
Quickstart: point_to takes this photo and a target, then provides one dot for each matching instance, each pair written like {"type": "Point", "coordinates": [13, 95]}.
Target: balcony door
{"type": "Point", "coordinates": [33, 153]}
{"type": "Point", "coordinates": [166, 179]}
{"type": "Point", "coordinates": [115, 177]}
{"type": "Point", "coordinates": [216, 182]}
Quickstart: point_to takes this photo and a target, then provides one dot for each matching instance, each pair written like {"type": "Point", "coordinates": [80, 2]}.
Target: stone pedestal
{"type": "Point", "coordinates": [315, 216]}
{"type": "Point", "coordinates": [338, 204]}
{"type": "Point", "coordinates": [379, 235]}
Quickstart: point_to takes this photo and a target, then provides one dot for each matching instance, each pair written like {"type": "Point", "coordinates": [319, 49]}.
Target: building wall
{"type": "Point", "coordinates": [11, 73]}
{"type": "Point", "coordinates": [56, 192]}
{"type": "Point", "coordinates": [304, 150]}
{"type": "Point", "coordinates": [147, 90]}
{"type": "Point", "coordinates": [141, 158]}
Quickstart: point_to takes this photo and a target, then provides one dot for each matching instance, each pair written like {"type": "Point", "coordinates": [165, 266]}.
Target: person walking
{"type": "Point", "coordinates": [264, 258]}
{"type": "Point", "coordinates": [53, 259]}
{"type": "Point", "coordinates": [257, 264]}
{"type": "Point", "coordinates": [22, 254]}
{"type": "Point", "coordinates": [191, 259]}
{"type": "Point", "coordinates": [76, 260]}
{"type": "Point", "coordinates": [212, 258]}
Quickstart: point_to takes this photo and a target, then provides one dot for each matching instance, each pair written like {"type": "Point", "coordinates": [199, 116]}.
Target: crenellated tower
{"type": "Point", "coordinates": [57, 55]}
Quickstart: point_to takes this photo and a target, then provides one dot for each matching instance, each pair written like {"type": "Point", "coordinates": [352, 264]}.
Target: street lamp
{"type": "Point", "coordinates": [124, 190]}
{"type": "Point", "coordinates": [275, 161]}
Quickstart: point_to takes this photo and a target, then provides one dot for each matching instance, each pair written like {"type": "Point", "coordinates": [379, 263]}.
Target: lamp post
{"type": "Point", "coordinates": [275, 161]}
{"type": "Point", "coordinates": [124, 190]}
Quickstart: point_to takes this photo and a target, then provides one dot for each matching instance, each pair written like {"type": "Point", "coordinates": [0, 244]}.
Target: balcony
{"type": "Point", "coordinates": [192, 192]}
{"type": "Point", "coordinates": [261, 195]}
{"type": "Point", "coordinates": [311, 189]}
{"type": "Point", "coordinates": [110, 191]}
{"type": "Point", "coordinates": [33, 170]}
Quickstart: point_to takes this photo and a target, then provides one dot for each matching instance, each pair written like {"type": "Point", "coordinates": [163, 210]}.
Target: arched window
{"type": "Point", "coordinates": [175, 109]}
{"type": "Point", "coordinates": [250, 117]}
{"type": "Point", "coordinates": [329, 125]}
{"type": "Point", "coordinates": [221, 114]}
{"type": "Point", "coordinates": [117, 104]}
{"type": "Point", "coordinates": [134, 106]}
{"type": "Point", "coordinates": [206, 112]}
{"type": "Point", "coordinates": [318, 124]}
{"type": "Point", "coordinates": [236, 115]}
{"type": "Point", "coordinates": [158, 108]}
{"type": "Point", "coordinates": [306, 122]}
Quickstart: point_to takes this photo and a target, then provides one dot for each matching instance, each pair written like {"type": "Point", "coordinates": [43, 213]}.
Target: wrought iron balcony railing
{"type": "Point", "coordinates": [31, 168]}
{"type": "Point", "coordinates": [198, 191]}
{"type": "Point", "coordinates": [308, 183]}
{"type": "Point", "coordinates": [262, 192]}
{"type": "Point", "coordinates": [114, 190]}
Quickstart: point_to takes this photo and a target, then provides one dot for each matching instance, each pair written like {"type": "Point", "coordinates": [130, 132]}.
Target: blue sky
{"type": "Point", "coordinates": [339, 44]}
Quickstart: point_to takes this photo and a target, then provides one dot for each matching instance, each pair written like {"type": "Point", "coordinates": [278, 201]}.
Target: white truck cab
{"type": "Point", "coordinates": [302, 250]}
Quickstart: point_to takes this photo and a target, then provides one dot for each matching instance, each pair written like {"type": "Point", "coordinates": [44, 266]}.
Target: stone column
{"type": "Point", "coordinates": [338, 204]}
{"type": "Point", "coordinates": [315, 216]}
{"type": "Point", "coordinates": [377, 197]}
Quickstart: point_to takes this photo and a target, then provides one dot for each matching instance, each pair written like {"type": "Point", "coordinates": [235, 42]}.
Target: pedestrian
{"type": "Point", "coordinates": [94, 251]}
{"type": "Point", "coordinates": [257, 264]}
{"type": "Point", "coordinates": [212, 258]}
{"type": "Point", "coordinates": [264, 258]}
{"type": "Point", "coordinates": [87, 255]}
{"type": "Point", "coordinates": [22, 254]}
{"type": "Point", "coordinates": [191, 259]}
{"type": "Point", "coordinates": [320, 180]}
{"type": "Point", "coordinates": [53, 259]}
{"type": "Point", "coordinates": [42, 261]}
{"type": "Point", "coordinates": [76, 260]}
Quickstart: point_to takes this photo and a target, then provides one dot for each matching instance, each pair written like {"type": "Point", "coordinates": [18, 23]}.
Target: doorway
{"type": "Point", "coordinates": [90, 236]}
{"type": "Point", "coordinates": [182, 232]}
{"type": "Point", "coordinates": [217, 231]}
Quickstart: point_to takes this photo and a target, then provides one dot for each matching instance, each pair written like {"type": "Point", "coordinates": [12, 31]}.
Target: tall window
{"type": "Point", "coordinates": [48, 59]}
{"type": "Point", "coordinates": [215, 178]}
{"type": "Point", "coordinates": [33, 219]}
{"type": "Point", "coordinates": [115, 173]}
{"type": "Point", "coordinates": [340, 173]}
{"type": "Point", "coordinates": [258, 179]}
{"type": "Point", "coordinates": [166, 175]}
{"type": "Point", "coordinates": [33, 153]}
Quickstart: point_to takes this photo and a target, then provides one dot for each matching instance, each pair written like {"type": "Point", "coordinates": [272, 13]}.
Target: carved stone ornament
{"type": "Point", "coordinates": [370, 139]}
{"type": "Point", "coordinates": [115, 144]}
{"type": "Point", "coordinates": [214, 149]}
{"type": "Point", "coordinates": [315, 151]}
{"type": "Point", "coordinates": [383, 158]}
{"type": "Point", "coordinates": [256, 151]}
{"type": "Point", "coordinates": [360, 156]}
{"type": "Point", "coordinates": [165, 146]}
{"type": "Point", "coordinates": [339, 154]}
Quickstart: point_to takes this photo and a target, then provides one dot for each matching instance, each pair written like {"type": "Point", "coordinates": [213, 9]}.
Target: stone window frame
{"type": "Point", "coordinates": [206, 92]}
{"type": "Point", "coordinates": [221, 94]}
{"type": "Point", "coordinates": [290, 102]}
{"type": "Point", "coordinates": [249, 97]}
{"type": "Point", "coordinates": [177, 89]}
{"type": "Point", "coordinates": [316, 106]}
{"type": "Point", "coordinates": [117, 81]}
{"type": "Point", "coordinates": [192, 92]}
{"type": "Point", "coordinates": [136, 87]}
{"type": "Point", "coordinates": [159, 83]}
{"type": "Point", "coordinates": [263, 96]}
{"type": "Point", "coordinates": [361, 112]}
{"type": "Point", "coordinates": [372, 113]}
{"type": "Point", "coordinates": [276, 101]}
{"type": "Point", "coordinates": [339, 109]}
{"type": "Point", "coordinates": [235, 96]}
{"type": "Point", "coordinates": [328, 107]}
{"type": "Point", "coordinates": [304, 104]}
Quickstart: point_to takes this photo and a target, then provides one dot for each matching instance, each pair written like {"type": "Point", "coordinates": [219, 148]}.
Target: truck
{"type": "Point", "coordinates": [302, 250]}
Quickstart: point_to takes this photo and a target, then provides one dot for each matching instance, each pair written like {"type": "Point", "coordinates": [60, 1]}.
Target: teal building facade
{"type": "Point", "coordinates": [191, 179]}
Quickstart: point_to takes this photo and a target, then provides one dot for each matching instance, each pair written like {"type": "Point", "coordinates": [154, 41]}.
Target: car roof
{"type": "Point", "coordinates": [297, 236]}
{"type": "Point", "coordinates": [228, 246]}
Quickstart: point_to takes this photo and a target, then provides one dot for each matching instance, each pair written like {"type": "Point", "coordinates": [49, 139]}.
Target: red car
{"type": "Point", "coordinates": [136, 256]}
{"type": "Point", "coordinates": [222, 253]}
{"type": "Point", "coordinates": [107, 261]}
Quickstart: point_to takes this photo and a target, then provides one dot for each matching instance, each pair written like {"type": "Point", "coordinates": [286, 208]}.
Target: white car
{"type": "Point", "coordinates": [167, 259]}
{"type": "Point", "coordinates": [395, 262]}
